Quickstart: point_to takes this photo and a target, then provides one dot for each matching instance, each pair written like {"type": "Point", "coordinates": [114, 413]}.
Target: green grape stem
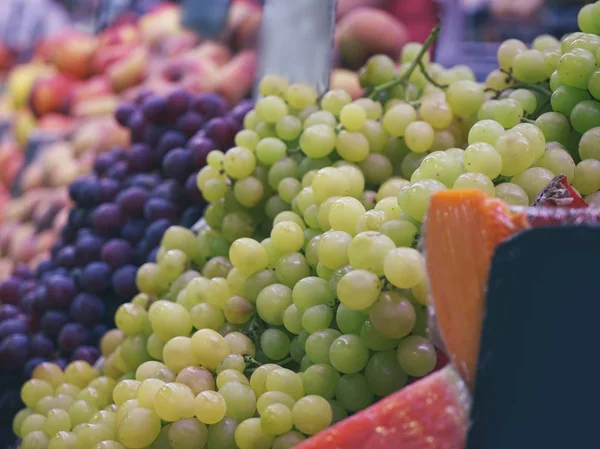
{"type": "Point", "coordinates": [429, 78]}
{"type": "Point", "coordinates": [413, 65]}
{"type": "Point", "coordinates": [534, 87]}
{"type": "Point", "coordinates": [501, 179]}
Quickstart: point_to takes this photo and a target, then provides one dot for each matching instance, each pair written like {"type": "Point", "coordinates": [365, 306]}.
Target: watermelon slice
{"type": "Point", "coordinates": [432, 413]}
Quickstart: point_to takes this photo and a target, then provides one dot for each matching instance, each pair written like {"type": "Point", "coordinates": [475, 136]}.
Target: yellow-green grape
{"type": "Point", "coordinates": [373, 108]}
{"type": "Point", "coordinates": [312, 414]}
{"type": "Point", "coordinates": [516, 152]}
{"type": "Point", "coordinates": [508, 51]}
{"type": "Point", "coordinates": [81, 411]}
{"type": "Point", "coordinates": [355, 179]}
{"type": "Point", "coordinates": [465, 97]}
{"type": "Point", "coordinates": [317, 141]}
{"type": "Point", "coordinates": [249, 434]}
{"type": "Point", "coordinates": [35, 440]}
{"type": "Point", "coordinates": [288, 127]}
{"type": "Point", "coordinates": [197, 378]}
{"type": "Point", "coordinates": [33, 390]}
{"type": "Point", "coordinates": [207, 316]}
{"type": "Point", "coordinates": [390, 206]}
{"type": "Point", "coordinates": [271, 108]}
{"type": "Point", "coordinates": [419, 136]}
{"type": "Point", "coordinates": [334, 100]}
{"type": "Point", "coordinates": [368, 250]}
{"type": "Point", "coordinates": [209, 407]}
{"type": "Point", "coordinates": [352, 146]}
{"type": "Point", "coordinates": [287, 236]}
{"type": "Point", "coordinates": [404, 267]}
{"type": "Point", "coordinates": [397, 118]}
{"type": "Point", "coordinates": [329, 182]}
{"type": "Point", "coordinates": [333, 249]}
{"type": "Point", "coordinates": [248, 256]}
{"type": "Point", "coordinates": [238, 310]}
{"type": "Point", "coordinates": [125, 390]}
{"type": "Point", "coordinates": [320, 118]}
{"type": "Point", "coordinates": [273, 85]}
{"type": "Point", "coordinates": [533, 180]}
{"type": "Point", "coordinates": [245, 138]}
{"type": "Point", "coordinates": [230, 375]}
{"type": "Point", "coordinates": [353, 117]}
{"type": "Point", "coordinates": [33, 422]}
{"type": "Point", "coordinates": [187, 434]}
{"type": "Point", "coordinates": [91, 434]}
{"type": "Point", "coordinates": [174, 401]}
{"type": "Point", "coordinates": [276, 419]}
{"type": "Point", "coordinates": [512, 194]}
{"type": "Point", "coordinates": [209, 347]}
{"type": "Point", "coordinates": [239, 162]}
{"type": "Point", "coordinates": [344, 214]}
{"type": "Point", "coordinates": [178, 354]}
{"type": "Point", "coordinates": [300, 96]}
{"type": "Point", "coordinates": [139, 428]}
{"type": "Point", "coordinates": [437, 113]}
{"type": "Point", "coordinates": [62, 440]}
{"type": "Point", "coordinates": [358, 289]}
{"type": "Point", "coordinates": [50, 372]}
{"type": "Point", "coordinates": [147, 391]}
{"type": "Point", "coordinates": [285, 381]}
{"type": "Point", "coordinates": [477, 181]}
{"type": "Point", "coordinates": [240, 344]}
{"type": "Point", "coordinates": [483, 158]}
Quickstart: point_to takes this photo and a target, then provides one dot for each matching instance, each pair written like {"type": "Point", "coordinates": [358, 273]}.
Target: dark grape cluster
{"type": "Point", "coordinates": [119, 213]}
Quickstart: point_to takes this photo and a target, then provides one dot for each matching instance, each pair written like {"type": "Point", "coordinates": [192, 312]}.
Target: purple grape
{"type": "Point", "coordinates": [240, 110]}
{"type": "Point", "coordinates": [103, 162]}
{"type": "Point", "coordinates": [209, 105]}
{"type": "Point", "coordinates": [170, 140]}
{"type": "Point", "coordinates": [146, 181]}
{"type": "Point", "coordinates": [191, 187]}
{"type": "Point", "coordinates": [124, 112]}
{"type": "Point", "coordinates": [27, 303]}
{"type": "Point", "coordinates": [191, 215]}
{"type": "Point", "coordinates": [89, 193]}
{"type": "Point", "coordinates": [9, 291]}
{"type": "Point", "coordinates": [142, 94]}
{"type": "Point", "coordinates": [107, 218]}
{"type": "Point", "coordinates": [87, 309]}
{"type": "Point", "coordinates": [109, 189]}
{"type": "Point", "coordinates": [60, 291]}
{"type": "Point", "coordinates": [77, 218]}
{"type": "Point", "coordinates": [27, 286]}
{"type": "Point", "coordinates": [119, 153]}
{"type": "Point", "coordinates": [141, 158]}
{"type": "Point", "coordinates": [52, 322]}
{"type": "Point", "coordinates": [95, 277]}
{"type": "Point", "coordinates": [13, 326]}
{"type": "Point", "coordinates": [133, 231]}
{"type": "Point", "coordinates": [100, 329]}
{"type": "Point", "coordinates": [116, 253]}
{"type": "Point", "coordinates": [118, 171]}
{"type": "Point", "coordinates": [155, 231]}
{"type": "Point", "coordinates": [43, 267]}
{"type": "Point", "coordinates": [200, 146]}
{"type": "Point", "coordinates": [154, 108]}
{"type": "Point", "coordinates": [41, 346]}
{"type": "Point", "coordinates": [151, 258]}
{"type": "Point", "coordinates": [72, 336]}
{"type": "Point", "coordinates": [22, 271]}
{"type": "Point", "coordinates": [171, 191]}
{"type": "Point", "coordinates": [177, 102]}
{"type": "Point", "coordinates": [14, 352]}
{"type": "Point", "coordinates": [221, 132]}
{"type": "Point", "coordinates": [123, 281]}
{"type": "Point", "coordinates": [88, 354]}
{"type": "Point", "coordinates": [153, 134]}
{"type": "Point", "coordinates": [40, 302]}
{"type": "Point", "coordinates": [177, 164]}
{"type": "Point", "coordinates": [66, 257]}
{"type": "Point", "coordinates": [87, 249]}
{"type": "Point", "coordinates": [137, 124]}
{"type": "Point", "coordinates": [131, 201]}
{"type": "Point", "coordinates": [189, 123]}
{"type": "Point", "coordinates": [8, 311]}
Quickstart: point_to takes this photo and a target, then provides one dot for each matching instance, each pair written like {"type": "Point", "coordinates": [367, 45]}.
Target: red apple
{"type": "Point", "coordinates": [51, 93]}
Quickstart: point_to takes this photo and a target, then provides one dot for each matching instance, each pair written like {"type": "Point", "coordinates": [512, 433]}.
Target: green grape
{"type": "Point", "coordinates": [173, 322]}
{"type": "Point", "coordinates": [487, 131]}
{"type": "Point", "coordinates": [238, 310]}
{"type": "Point", "coordinates": [272, 85]}
{"type": "Point", "coordinates": [528, 66]}
{"type": "Point", "coordinates": [248, 256]}
{"type": "Point", "coordinates": [292, 319]}
{"type": "Point", "coordinates": [319, 343]}
{"type": "Point", "coordinates": [274, 397]}
{"type": "Point", "coordinates": [377, 168]}
{"type": "Point", "coordinates": [62, 440]}
{"type": "Point", "coordinates": [317, 141]}
{"type": "Point", "coordinates": [297, 349]}
{"type": "Point", "coordinates": [245, 138]}
{"type": "Point", "coordinates": [285, 381]}
{"type": "Point", "coordinates": [239, 343]}
{"type": "Point", "coordinates": [545, 42]}
{"type": "Point", "coordinates": [555, 81]}
{"type": "Point", "coordinates": [276, 419]}
{"type": "Point", "coordinates": [283, 168]}
{"type": "Point", "coordinates": [353, 392]}
{"type": "Point", "coordinates": [475, 181]}
{"type": "Point", "coordinates": [587, 176]}
{"type": "Point", "coordinates": [389, 206]}
{"type": "Point", "coordinates": [35, 440]}
{"type": "Point", "coordinates": [508, 51]}
{"type": "Point", "coordinates": [187, 434]}
{"type": "Point", "coordinates": [33, 422]}
{"type": "Point", "coordinates": [559, 161]}
{"type": "Point", "coordinates": [534, 135]}
{"type": "Point", "coordinates": [526, 98]}
{"type": "Point", "coordinates": [348, 354]}
{"type": "Point", "coordinates": [508, 112]}
{"type": "Point", "coordinates": [320, 118]}
{"type": "Point", "coordinates": [367, 251]}
{"type": "Point", "coordinates": [352, 146]}
{"type": "Point", "coordinates": [258, 378]}
{"type": "Point", "coordinates": [589, 145]}
{"type": "Point", "coordinates": [533, 180]}
{"type": "Point", "coordinates": [372, 220]}
{"type": "Point", "coordinates": [139, 428]}
{"type": "Point", "coordinates": [221, 434]}
{"type": "Point", "coordinates": [232, 361]}
{"type": "Point", "coordinates": [441, 167]}
{"type": "Point", "coordinates": [92, 434]}
{"type": "Point", "coordinates": [416, 356]}
{"type": "Point", "coordinates": [312, 414]}
{"type": "Point", "coordinates": [312, 291]}
{"type": "Point", "coordinates": [403, 233]}
{"type": "Point", "coordinates": [271, 108]}
{"type": "Point", "coordinates": [131, 318]}
{"type": "Point", "coordinates": [236, 225]}
{"type": "Point", "coordinates": [585, 115]}
{"type": "Point", "coordinates": [384, 374]}
{"type": "Point", "coordinates": [239, 162]}
{"type": "Point", "coordinates": [258, 281]}
{"type": "Point", "coordinates": [287, 236]}
{"type": "Point", "coordinates": [464, 97]}
{"type": "Point", "coordinates": [240, 400]}
{"type": "Point", "coordinates": [516, 152]}
{"type": "Point", "coordinates": [275, 344]}
{"type": "Point", "coordinates": [379, 69]}
{"type": "Point", "coordinates": [300, 96]}
{"type": "Point", "coordinates": [375, 340]}
{"type": "Point", "coordinates": [209, 348]}
{"type": "Point", "coordinates": [585, 19]}
{"type": "Point", "coordinates": [33, 390]}
{"type": "Point", "coordinates": [344, 214]}
{"type": "Point", "coordinates": [288, 127]}
{"type": "Point", "coordinates": [317, 317]}
{"type": "Point", "coordinates": [575, 68]}
{"type": "Point", "coordinates": [594, 84]}
{"type": "Point", "coordinates": [353, 117]}
{"type": "Point", "coordinates": [209, 407]}
{"type": "Point", "coordinates": [497, 80]}
{"type": "Point", "coordinates": [483, 158]}
{"type": "Point", "coordinates": [393, 315]}
{"type": "Point", "coordinates": [249, 434]}
{"type": "Point", "coordinates": [414, 198]}
{"type": "Point", "coordinates": [419, 136]}
{"type": "Point", "coordinates": [511, 194]}
{"type": "Point", "coordinates": [397, 118]}
{"type": "Point", "coordinates": [358, 289]}
{"type": "Point", "coordinates": [321, 380]}
{"type": "Point", "coordinates": [249, 191]}
{"type": "Point", "coordinates": [207, 316]}
{"type": "Point", "coordinates": [565, 98]}
{"type": "Point", "coordinates": [376, 136]}
{"type": "Point", "coordinates": [437, 113]}
{"type": "Point", "coordinates": [339, 412]}
{"type": "Point", "coordinates": [177, 354]}
{"type": "Point", "coordinates": [555, 126]}
{"type": "Point", "coordinates": [272, 303]}
{"type": "Point", "coordinates": [334, 100]}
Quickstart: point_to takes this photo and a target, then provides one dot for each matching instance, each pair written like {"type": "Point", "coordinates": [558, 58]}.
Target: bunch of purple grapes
{"type": "Point", "coordinates": [119, 214]}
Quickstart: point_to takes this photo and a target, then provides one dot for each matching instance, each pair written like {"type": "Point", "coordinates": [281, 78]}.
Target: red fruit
{"type": "Point", "coordinates": [432, 413]}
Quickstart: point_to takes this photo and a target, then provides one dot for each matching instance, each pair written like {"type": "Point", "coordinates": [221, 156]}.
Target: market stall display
{"type": "Point", "coordinates": [261, 260]}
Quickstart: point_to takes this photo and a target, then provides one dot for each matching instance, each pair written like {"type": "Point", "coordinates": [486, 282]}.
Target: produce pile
{"type": "Point", "coordinates": [300, 298]}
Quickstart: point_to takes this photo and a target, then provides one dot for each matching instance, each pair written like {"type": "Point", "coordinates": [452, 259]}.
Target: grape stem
{"type": "Point", "coordinates": [501, 179]}
{"type": "Point", "coordinates": [534, 87]}
{"type": "Point", "coordinates": [429, 78]}
{"type": "Point", "coordinates": [411, 68]}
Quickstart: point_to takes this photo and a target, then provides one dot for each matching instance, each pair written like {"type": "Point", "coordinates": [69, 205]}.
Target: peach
{"type": "Point", "coordinates": [51, 93]}
{"type": "Point", "coordinates": [187, 71]}
{"type": "Point", "coordinates": [96, 107]}
{"type": "Point", "coordinates": [106, 56]}
{"type": "Point", "coordinates": [212, 51]}
{"type": "Point", "coordinates": [128, 71]}
{"type": "Point", "coordinates": [235, 79]}
{"type": "Point", "coordinates": [346, 80]}
{"type": "Point", "coordinates": [74, 53]}
{"type": "Point", "coordinates": [55, 124]}
{"type": "Point", "coordinates": [177, 44]}
{"type": "Point", "coordinates": [243, 24]}
{"type": "Point", "coordinates": [98, 86]}
{"type": "Point", "coordinates": [33, 176]}
{"type": "Point", "coordinates": [359, 35]}
{"type": "Point", "coordinates": [160, 23]}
